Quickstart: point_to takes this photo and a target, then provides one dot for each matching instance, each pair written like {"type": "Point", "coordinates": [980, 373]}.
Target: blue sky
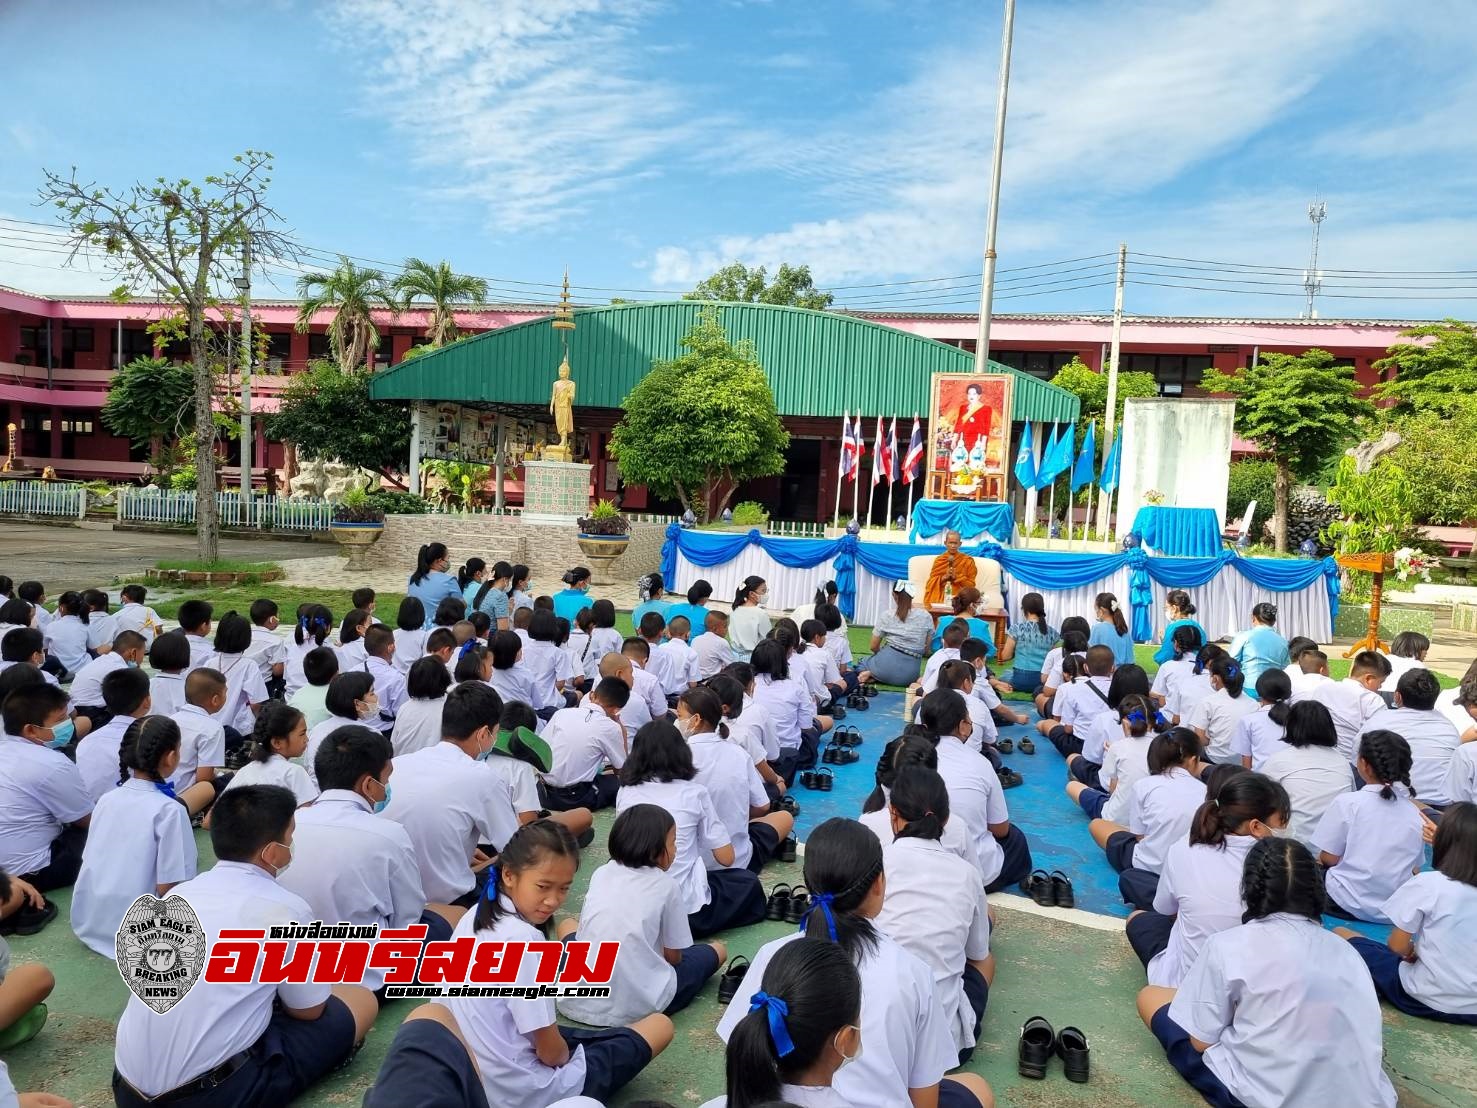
{"type": "Point", "coordinates": [646, 143]}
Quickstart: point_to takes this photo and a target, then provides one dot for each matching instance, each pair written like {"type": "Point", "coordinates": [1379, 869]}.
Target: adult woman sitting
{"type": "Point", "coordinates": [1261, 646]}
{"type": "Point", "coordinates": [430, 583]}
{"type": "Point", "coordinates": [900, 639]}
{"type": "Point", "coordinates": [575, 595]}
{"type": "Point", "coordinates": [966, 603]}
{"type": "Point", "coordinates": [1027, 643]}
{"type": "Point", "coordinates": [749, 623]}
{"type": "Point", "coordinates": [1181, 612]}
{"type": "Point", "coordinates": [651, 594]}
{"type": "Point", "coordinates": [486, 590]}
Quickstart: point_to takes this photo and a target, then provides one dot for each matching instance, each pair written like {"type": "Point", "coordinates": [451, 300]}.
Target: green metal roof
{"type": "Point", "coordinates": [819, 363]}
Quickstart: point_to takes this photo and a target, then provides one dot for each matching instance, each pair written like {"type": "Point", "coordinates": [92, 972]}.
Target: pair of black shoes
{"type": "Point", "coordinates": [785, 903]}
{"type": "Point", "coordinates": [731, 978]}
{"type": "Point", "coordinates": [785, 852]}
{"type": "Point", "coordinates": [787, 803]}
{"type": "Point", "coordinates": [1050, 890]}
{"type": "Point", "coordinates": [1039, 1042]}
{"type": "Point", "coordinates": [820, 780]}
{"type": "Point", "coordinates": [857, 701]}
{"type": "Point", "coordinates": [838, 754]}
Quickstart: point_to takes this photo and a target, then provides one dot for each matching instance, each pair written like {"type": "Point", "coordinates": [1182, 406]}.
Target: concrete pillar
{"type": "Point", "coordinates": [413, 477]}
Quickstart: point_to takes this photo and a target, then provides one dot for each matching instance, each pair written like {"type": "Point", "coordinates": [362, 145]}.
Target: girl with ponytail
{"type": "Point", "coordinates": [1190, 689]}
{"type": "Point", "coordinates": [746, 726]}
{"type": "Point", "coordinates": [749, 623]}
{"type": "Point", "coordinates": [1276, 1010]}
{"type": "Point", "coordinates": [66, 635]}
{"type": "Point", "coordinates": [139, 840]}
{"type": "Point", "coordinates": [522, 1053]}
{"type": "Point", "coordinates": [1184, 644]}
{"type": "Point", "coordinates": [1199, 891]}
{"type": "Point", "coordinates": [1371, 840]}
{"type": "Point", "coordinates": [279, 739]}
{"type": "Point", "coordinates": [1258, 735]}
{"type": "Point", "coordinates": [1215, 718]}
{"type": "Point", "coordinates": [431, 583]}
{"type": "Point", "coordinates": [898, 755]}
{"type": "Point", "coordinates": [1125, 760]}
{"type": "Point", "coordinates": [907, 1043]}
{"type": "Point", "coordinates": [1111, 629]}
{"type": "Point", "coordinates": [314, 625]}
{"type": "Point", "coordinates": [486, 590]}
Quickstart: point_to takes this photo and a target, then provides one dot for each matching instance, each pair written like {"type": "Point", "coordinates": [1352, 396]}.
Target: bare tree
{"type": "Point", "coordinates": [182, 243]}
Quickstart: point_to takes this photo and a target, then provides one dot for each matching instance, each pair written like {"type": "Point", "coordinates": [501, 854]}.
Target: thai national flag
{"type": "Point", "coordinates": [913, 460]}
{"type": "Point", "coordinates": [848, 448]}
{"type": "Point", "coordinates": [879, 455]}
{"type": "Point", "coordinates": [889, 456]}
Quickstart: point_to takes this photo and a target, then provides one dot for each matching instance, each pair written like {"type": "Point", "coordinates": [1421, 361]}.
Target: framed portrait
{"type": "Point", "coordinates": [971, 411]}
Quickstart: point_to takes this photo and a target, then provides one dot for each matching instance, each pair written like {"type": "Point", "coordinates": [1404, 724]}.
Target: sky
{"type": "Point", "coordinates": [645, 143]}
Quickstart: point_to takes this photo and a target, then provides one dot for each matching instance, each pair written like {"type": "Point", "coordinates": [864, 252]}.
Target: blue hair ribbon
{"type": "Point", "coordinates": [777, 1011]}
{"type": "Point", "coordinates": [302, 623]}
{"type": "Point", "coordinates": [1233, 670]}
{"type": "Point", "coordinates": [823, 901]}
{"type": "Point", "coordinates": [165, 787]}
{"type": "Point", "coordinates": [492, 882]}
{"type": "Point", "coordinates": [1136, 717]}
{"type": "Point", "coordinates": [466, 646]}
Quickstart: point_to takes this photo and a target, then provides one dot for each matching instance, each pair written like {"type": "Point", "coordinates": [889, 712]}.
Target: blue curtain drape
{"type": "Point", "coordinates": [1179, 532]}
{"type": "Point", "coordinates": [969, 518]}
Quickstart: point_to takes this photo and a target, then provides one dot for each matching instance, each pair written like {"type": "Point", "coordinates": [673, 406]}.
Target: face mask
{"type": "Point", "coordinates": [687, 726]}
{"type": "Point", "coordinates": [384, 802]}
{"type": "Point", "coordinates": [370, 709]}
{"type": "Point", "coordinates": [847, 1060]}
{"type": "Point", "coordinates": [278, 871]}
{"type": "Point", "coordinates": [61, 734]}
{"type": "Point", "coordinates": [133, 665]}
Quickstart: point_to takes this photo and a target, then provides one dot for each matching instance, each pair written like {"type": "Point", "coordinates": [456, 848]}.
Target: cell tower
{"type": "Point", "coordinates": [1312, 278]}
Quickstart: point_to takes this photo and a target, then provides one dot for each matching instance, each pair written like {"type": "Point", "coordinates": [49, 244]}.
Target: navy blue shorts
{"type": "Point", "coordinates": [426, 1064]}
{"type": "Point", "coordinates": [1384, 967]}
{"type": "Point", "coordinates": [764, 840]}
{"type": "Point", "coordinates": [290, 1056]}
{"type": "Point", "coordinates": [954, 1095]}
{"type": "Point", "coordinates": [737, 901]}
{"type": "Point", "coordinates": [613, 1058]}
{"type": "Point", "coordinates": [1119, 849]}
{"type": "Point", "coordinates": [1138, 887]}
{"type": "Point", "coordinates": [1086, 772]}
{"type": "Point", "coordinates": [1189, 1062]}
{"type": "Point", "coordinates": [699, 962]}
{"type": "Point", "coordinates": [1065, 741]}
{"type": "Point", "coordinates": [1093, 800]}
{"type": "Point", "coordinates": [977, 992]}
{"type": "Point", "coordinates": [1148, 934]}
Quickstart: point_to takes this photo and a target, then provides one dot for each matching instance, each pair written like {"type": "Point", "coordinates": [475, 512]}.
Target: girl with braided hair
{"type": "Point", "coordinates": [1371, 840]}
{"type": "Point", "coordinates": [139, 840]}
{"type": "Point", "coordinates": [907, 1043]}
{"type": "Point", "coordinates": [1125, 760]}
{"type": "Point", "coordinates": [1215, 718]}
{"type": "Point", "coordinates": [1277, 1010]}
{"type": "Point", "coordinates": [278, 741]}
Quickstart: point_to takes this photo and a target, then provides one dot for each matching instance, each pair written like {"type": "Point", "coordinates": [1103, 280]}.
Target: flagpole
{"type": "Point", "coordinates": [891, 466]}
{"type": "Point", "coordinates": [1051, 513]}
{"type": "Point", "coordinates": [856, 473]}
{"type": "Point", "coordinates": [840, 471]}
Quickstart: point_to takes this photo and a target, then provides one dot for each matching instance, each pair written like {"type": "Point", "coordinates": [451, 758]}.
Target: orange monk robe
{"type": "Point", "coordinates": [960, 567]}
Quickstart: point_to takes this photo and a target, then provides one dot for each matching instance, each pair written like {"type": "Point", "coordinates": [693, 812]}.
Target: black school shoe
{"type": "Point", "coordinates": [1037, 1045]}
{"type": "Point", "coordinates": [1009, 778]}
{"type": "Point", "coordinates": [28, 920]}
{"type": "Point", "coordinates": [778, 903]}
{"type": "Point", "coordinates": [788, 803]}
{"type": "Point", "coordinates": [731, 978]}
{"type": "Point", "coordinates": [799, 904]}
{"type": "Point", "coordinates": [836, 710]}
{"type": "Point", "coordinates": [786, 850]}
{"type": "Point", "coordinates": [1071, 1047]}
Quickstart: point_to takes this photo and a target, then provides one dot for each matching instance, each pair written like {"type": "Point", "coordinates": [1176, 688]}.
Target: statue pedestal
{"type": "Point", "coordinates": [555, 492]}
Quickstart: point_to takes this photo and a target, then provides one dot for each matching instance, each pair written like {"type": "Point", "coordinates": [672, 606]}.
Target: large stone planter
{"type": "Point", "coordinates": [355, 539]}
{"type": "Point", "coordinates": [603, 550]}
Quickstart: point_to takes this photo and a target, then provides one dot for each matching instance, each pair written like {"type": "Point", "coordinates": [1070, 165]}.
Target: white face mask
{"type": "Point", "coordinates": [687, 726]}
{"type": "Point", "coordinates": [278, 871]}
{"type": "Point", "coordinates": [847, 1060]}
{"type": "Point", "coordinates": [370, 708]}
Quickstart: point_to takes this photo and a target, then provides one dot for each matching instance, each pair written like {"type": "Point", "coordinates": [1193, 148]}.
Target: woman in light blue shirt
{"type": "Point", "coordinates": [575, 594]}
{"type": "Point", "coordinates": [1261, 646]}
{"type": "Point", "coordinates": [1180, 610]}
{"type": "Point", "coordinates": [1111, 630]}
{"type": "Point", "coordinates": [430, 583]}
{"type": "Point", "coordinates": [486, 590]}
{"type": "Point", "coordinates": [651, 591]}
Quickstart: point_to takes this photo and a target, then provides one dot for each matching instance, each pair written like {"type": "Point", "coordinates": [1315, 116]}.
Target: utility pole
{"type": "Point", "coordinates": [1312, 279]}
{"type": "Point", "coordinates": [987, 281]}
{"type": "Point", "coordinates": [1105, 503]}
{"type": "Point", "coordinates": [243, 285]}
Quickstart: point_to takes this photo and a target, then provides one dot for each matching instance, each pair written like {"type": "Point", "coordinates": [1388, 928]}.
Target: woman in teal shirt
{"type": "Point", "coordinates": [1178, 608]}
{"type": "Point", "coordinates": [575, 595]}
{"type": "Point", "coordinates": [1260, 647]}
{"type": "Point", "coordinates": [651, 591]}
{"type": "Point", "coordinates": [1111, 630]}
{"type": "Point", "coordinates": [696, 608]}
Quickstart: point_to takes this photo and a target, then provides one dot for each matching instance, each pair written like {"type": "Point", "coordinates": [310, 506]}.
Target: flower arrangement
{"type": "Point", "coordinates": [1412, 563]}
{"type": "Point", "coordinates": [1153, 496]}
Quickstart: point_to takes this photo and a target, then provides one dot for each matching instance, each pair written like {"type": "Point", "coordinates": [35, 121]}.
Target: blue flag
{"type": "Point", "coordinates": [1044, 472]}
{"type": "Point", "coordinates": [1085, 469]}
{"type": "Point", "coordinates": [1025, 460]}
{"type": "Point", "coordinates": [1111, 465]}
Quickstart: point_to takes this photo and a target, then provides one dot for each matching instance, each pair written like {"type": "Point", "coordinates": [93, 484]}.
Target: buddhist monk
{"type": "Point", "coordinates": [951, 569]}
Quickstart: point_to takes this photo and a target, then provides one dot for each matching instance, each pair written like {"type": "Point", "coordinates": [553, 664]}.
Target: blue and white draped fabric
{"type": "Point", "coordinates": [1178, 532]}
{"type": "Point", "coordinates": [973, 520]}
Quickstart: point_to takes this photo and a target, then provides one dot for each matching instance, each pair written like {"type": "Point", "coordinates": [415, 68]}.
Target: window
{"type": "Point", "coordinates": [1038, 363]}
{"type": "Point", "coordinates": [385, 350]}
{"type": "Point", "coordinates": [75, 426]}
{"type": "Point", "coordinates": [279, 350]}
{"type": "Point", "coordinates": [35, 340]}
{"type": "Point", "coordinates": [137, 343]}
{"type": "Point", "coordinates": [1175, 373]}
{"type": "Point", "coordinates": [77, 339]}
{"type": "Point", "coordinates": [318, 345]}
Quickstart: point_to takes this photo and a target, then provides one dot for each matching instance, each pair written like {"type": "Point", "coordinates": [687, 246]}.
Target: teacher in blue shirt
{"type": "Point", "coordinates": [430, 583]}
{"type": "Point", "coordinates": [574, 597]}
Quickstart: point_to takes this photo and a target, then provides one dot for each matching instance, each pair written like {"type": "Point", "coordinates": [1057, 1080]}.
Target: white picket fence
{"type": "Point", "coordinates": [42, 498]}
{"type": "Point", "coordinates": [269, 512]}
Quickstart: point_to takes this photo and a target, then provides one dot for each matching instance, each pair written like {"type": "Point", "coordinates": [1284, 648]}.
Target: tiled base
{"type": "Point", "coordinates": [555, 490]}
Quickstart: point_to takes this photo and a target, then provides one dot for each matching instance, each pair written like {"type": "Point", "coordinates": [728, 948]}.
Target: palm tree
{"type": "Point", "coordinates": [443, 288]}
{"type": "Point", "coordinates": [352, 293]}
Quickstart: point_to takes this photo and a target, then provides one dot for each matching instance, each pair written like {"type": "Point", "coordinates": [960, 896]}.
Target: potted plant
{"type": "Point", "coordinates": [357, 525]}
{"type": "Point", "coordinates": [603, 537]}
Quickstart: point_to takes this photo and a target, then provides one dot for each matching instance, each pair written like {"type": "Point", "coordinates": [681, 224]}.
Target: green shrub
{"type": "Point", "coordinates": [1252, 480]}
{"type": "Point", "coordinates": [748, 513]}
{"type": "Point", "coordinates": [399, 503]}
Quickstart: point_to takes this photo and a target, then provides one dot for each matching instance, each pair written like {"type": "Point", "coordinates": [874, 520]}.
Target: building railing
{"type": "Point", "coordinates": [175, 506]}
{"type": "Point", "coordinates": [42, 498]}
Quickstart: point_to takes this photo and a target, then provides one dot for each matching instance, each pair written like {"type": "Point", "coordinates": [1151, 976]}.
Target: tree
{"type": "Point", "coordinates": [792, 285]}
{"type": "Point", "coordinates": [150, 399]}
{"type": "Point", "coordinates": [352, 294]}
{"type": "Point", "coordinates": [1435, 376]}
{"type": "Point", "coordinates": [328, 414]}
{"type": "Point", "coordinates": [1301, 409]}
{"type": "Point", "coordinates": [697, 425]}
{"type": "Point", "coordinates": [1438, 457]}
{"type": "Point", "coordinates": [1091, 388]}
{"type": "Point", "coordinates": [443, 288]}
{"type": "Point", "coordinates": [183, 243]}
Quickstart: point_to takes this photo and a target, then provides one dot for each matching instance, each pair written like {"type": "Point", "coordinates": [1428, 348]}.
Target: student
{"type": "Point", "coordinates": [951, 639]}
{"type": "Point", "coordinates": [526, 1059]}
{"type": "Point", "coordinates": [195, 621]}
{"type": "Point", "coordinates": [1185, 643]}
{"type": "Point", "coordinates": [1297, 646]}
{"type": "Point", "coordinates": [34, 594]}
{"type": "Point", "coordinates": [14, 614]}
{"type": "Point", "coordinates": [1079, 701]}
{"type": "Point", "coordinates": [431, 583]}
{"type": "Point", "coordinates": [1461, 775]}
{"type": "Point", "coordinates": [418, 723]}
{"type": "Point", "coordinates": [651, 628]}
{"type": "Point", "coordinates": [810, 672]}
{"type": "Point", "coordinates": [839, 645]}
{"type": "Point", "coordinates": [135, 615]}
{"type": "Point", "coordinates": [350, 700]}
{"type": "Point", "coordinates": [140, 839]}
{"type": "Point", "coordinates": [1309, 766]}
{"type": "Point", "coordinates": [1191, 689]}
{"type": "Point", "coordinates": [1199, 891]}
{"type": "Point", "coordinates": [589, 743]}
{"type": "Point", "coordinates": [644, 683]}
{"type": "Point", "coordinates": [824, 671]}
{"type": "Point", "coordinates": [548, 667]}
{"type": "Point", "coordinates": [169, 658]}
{"type": "Point", "coordinates": [1074, 642]}
{"type": "Point", "coordinates": [1370, 840]}
{"type": "Point", "coordinates": [203, 741]}
{"type": "Point", "coordinates": [277, 743]}
{"type": "Point", "coordinates": [481, 626]}
{"type": "Point", "coordinates": [984, 737]}
{"type": "Point", "coordinates": [577, 646]}
{"type": "Point", "coordinates": [1215, 718]}
{"type": "Point", "coordinates": [246, 692]}
{"type": "Point", "coordinates": [267, 648]}
{"type": "Point", "coordinates": [473, 663]}
{"type": "Point", "coordinates": [23, 988]}
{"type": "Point", "coordinates": [1407, 652]}
{"type": "Point", "coordinates": [651, 596]}
{"type": "Point", "coordinates": [898, 755]}
{"type": "Point", "coordinates": [410, 633]}
{"type": "Point", "coordinates": [509, 677]}
{"type": "Point", "coordinates": [754, 726]}
{"type": "Point", "coordinates": [280, 1039]}
{"type": "Point", "coordinates": [788, 706]}
{"type": "Point", "coordinates": [44, 806]}
{"type": "Point", "coordinates": [906, 1039]}
{"type": "Point", "coordinates": [87, 686]}
{"type": "Point", "coordinates": [101, 625]}
{"type": "Point", "coordinates": [518, 755]}
{"type": "Point", "coordinates": [1275, 1011]}
{"type": "Point", "coordinates": [1260, 647]}
{"type": "Point", "coordinates": [637, 713]}
{"type": "Point", "coordinates": [1180, 611]}
{"type": "Point", "coordinates": [1353, 702]}
{"type": "Point", "coordinates": [1125, 761]}
{"type": "Point", "coordinates": [1258, 734]}
{"type": "Point", "coordinates": [314, 623]}
{"type": "Point", "coordinates": [1027, 643]}
{"type": "Point", "coordinates": [680, 660]}
{"type": "Point", "coordinates": [1161, 808]}
{"type": "Point", "coordinates": [1105, 724]}
{"type": "Point", "coordinates": [736, 788]}
{"type": "Point", "coordinates": [318, 667]}
{"type": "Point", "coordinates": [389, 682]}
{"type": "Point", "coordinates": [363, 599]}
{"type": "Point", "coordinates": [26, 645]}
{"type": "Point", "coordinates": [745, 731]}
{"type": "Point", "coordinates": [484, 591]}
{"type": "Point", "coordinates": [351, 638]}
{"type": "Point", "coordinates": [633, 900]}
{"type": "Point", "coordinates": [749, 623]}
{"type": "Point", "coordinates": [126, 696]}
{"type": "Point", "coordinates": [1425, 968]}
{"type": "Point", "coordinates": [1310, 671]}
{"type": "Point", "coordinates": [1432, 738]}
{"type": "Point", "coordinates": [1111, 630]}
{"type": "Point", "coordinates": [65, 636]}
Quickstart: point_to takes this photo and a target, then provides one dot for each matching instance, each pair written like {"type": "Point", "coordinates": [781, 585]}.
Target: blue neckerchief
{"type": "Point", "coordinates": [777, 1011]}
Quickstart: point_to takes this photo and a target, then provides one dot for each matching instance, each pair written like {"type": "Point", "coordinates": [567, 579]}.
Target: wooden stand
{"type": "Point", "coordinates": [1376, 564]}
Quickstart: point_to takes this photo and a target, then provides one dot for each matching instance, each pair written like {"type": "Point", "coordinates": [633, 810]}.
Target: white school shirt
{"type": "Point", "coordinates": [1304, 683]}
{"type": "Point", "coordinates": [907, 1038]}
{"type": "Point", "coordinates": [267, 650]}
{"type": "Point", "coordinates": [634, 716]}
{"type": "Point", "coordinates": [449, 803]}
{"type": "Point", "coordinates": [808, 668]}
{"type": "Point", "coordinates": [1314, 776]}
{"type": "Point", "coordinates": [802, 1096]}
{"type": "Point", "coordinates": [1461, 775]}
{"type": "Point", "coordinates": [1399, 667]}
{"type": "Point", "coordinates": [659, 665]}
{"type": "Point", "coordinates": [498, 1030]}
{"type": "Point", "coordinates": [1170, 673]}
{"type": "Point", "coordinates": [1160, 809]}
{"type": "Point", "coordinates": [1460, 718]}
{"type": "Point", "coordinates": [648, 689]}
{"type": "Point", "coordinates": [244, 687]}
{"type": "Point", "coordinates": [138, 840]}
{"type": "Point", "coordinates": [202, 743]}
{"type": "Point", "coordinates": [543, 663]}
{"type": "Point", "coordinates": [976, 799]}
{"type": "Point", "coordinates": [201, 648]}
{"type": "Point", "coordinates": [583, 741]}
{"type": "Point", "coordinates": [521, 780]}
{"type": "Point", "coordinates": [316, 734]}
{"type": "Point", "coordinates": [1257, 737]}
{"type": "Point", "coordinates": [1441, 915]}
{"type": "Point", "coordinates": [1201, 888]}
{"type": "Point", "coordinates": [1102, 727]}
{"type": "Point", "coordinates": [982, 727]}
{"type": "Point", "coordinates": [1291, 1015]}
{"type": "Point", "coordinates": [512, 683]}
{"type": "Point", "coordinates": [351, 655]}
{"type": "Point", "coordinates": [276, 770]}
{"type": "Point", "coordinates": [1433, 741]}
{"type": "Point", "coordinates": [603, 641]}
{"type": "Point", "coordinates": [65, 637]}
{"type": "Point", "coordinates": [725, 770]}
{"type": "Point", "coordinates": [789, 707]}
{"type": "Point", "coordinates": [935, 908]}
{"type": "Point", "coordinates": [140, 618]}
{"type": "Point", "coordinates": [935, 663]}
{"type": "Point", "coordinates": [575, 648]}
{"type": "Point", "coordinates": [156, 1053]}
{"type": "Point", "coordinates": [1379, 846]}
{"type": "Point", "coordinates": [87, 683]}
{"type": "Point", "coordinates": [389, 687]}
{"type": "Point", "coordinates": [1125, 761]}
{"type": "Point", "coordinates": [956, 838]}
{"type": "Point", "coordinates": [1055, 678]}
{"type": "Point", "coordinates": [681, 664]}
{"type": "Point", "coordinates": [166, 693]}
{"type": "Point", "coordinates": [712, 652]}
{"type": "Point", "coordinates": [353, 866]}
{"type": "Point", "coordinates": [40, 793]}
{"type": "Point", "coordinates": [417, 725]}
{"type": "Point", "coordinates": [839, 644]}
{"type": "Point", "coordinates": [755, 726]}
{"type": "Point", "coordinates": [1351, 705]}
{"type": "Point", "coordinates": [699, 831]}
{"type": "Point", "coordinates": [1217, 715]}
{"type": "Point", "coordinates": [102, 629]}
{"type": "Point", "coordinates": [409, 647]}
{"type": "Point", "coordinates": [292, 669]}
{"type": "Point", "coordinates": [642, 909]}
{"type": "Point", "coordinates": [1185, 693]}
{"type": "Point", "coordinates": [1077, 702]}
{"type": "Point", "coordinates": [97, 757]}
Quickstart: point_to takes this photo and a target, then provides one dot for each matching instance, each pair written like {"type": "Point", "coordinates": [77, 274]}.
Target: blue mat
{"type": "Point", "coordinates": [1056, 828]}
